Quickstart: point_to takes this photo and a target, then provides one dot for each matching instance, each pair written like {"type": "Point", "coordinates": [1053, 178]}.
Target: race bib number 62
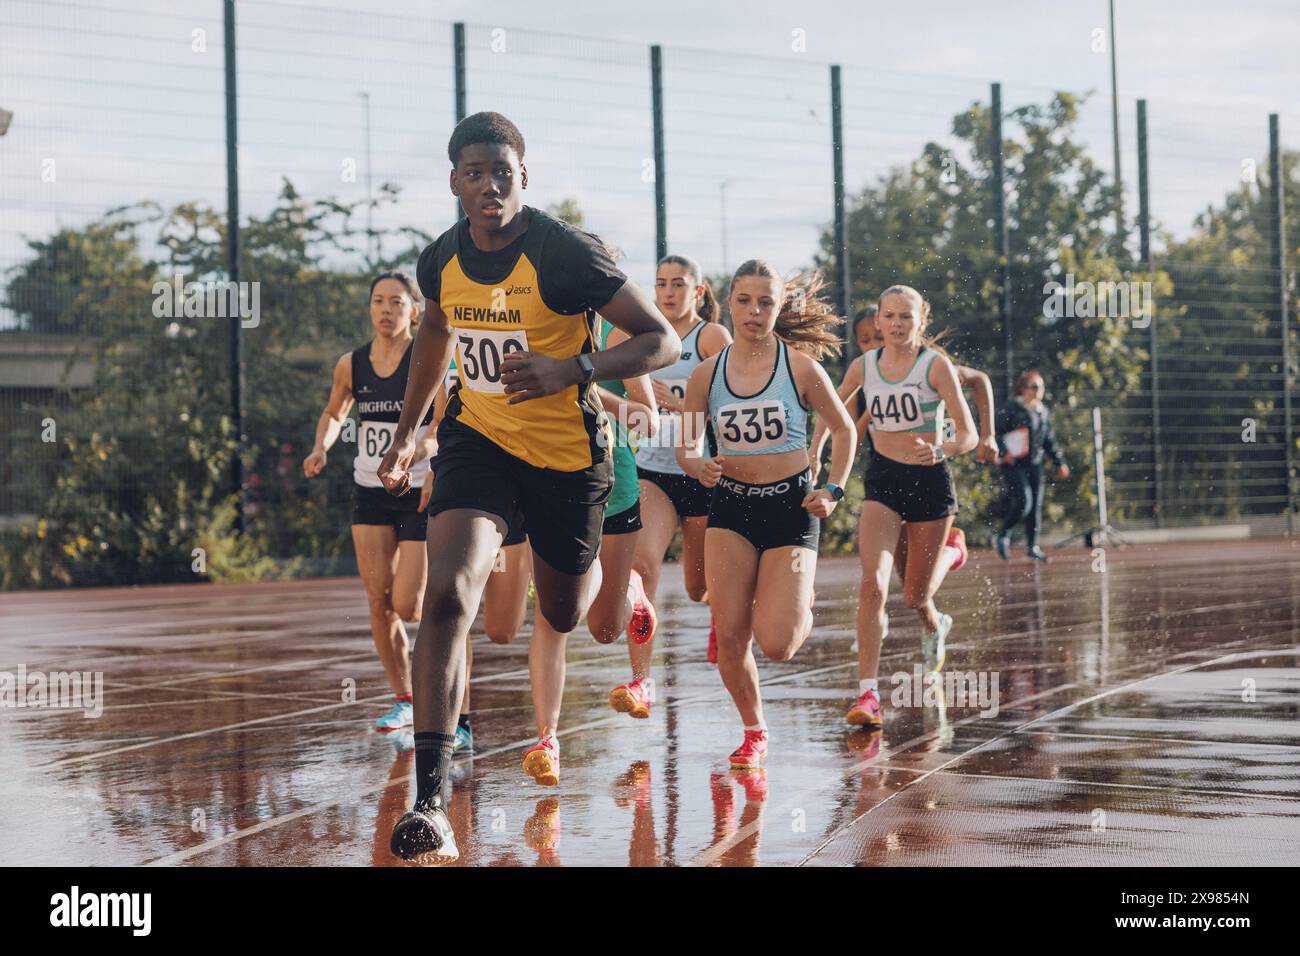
{"type": "Point", "coordinates": [480, 353]}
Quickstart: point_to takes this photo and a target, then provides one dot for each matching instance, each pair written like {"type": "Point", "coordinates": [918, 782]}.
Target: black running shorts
{"type": "Point", "coordinates": [913, 492]}
{"type": "Point", "coordinates": [690, 498]}
{"type": "Point", "coordinates": [625, 522]}
{"type": "Point", "coordinates": [767, 516]}
{"type": "Point", "coordinates": [561, 511]}
{"type": "Point", "coordinates": [377, 506]}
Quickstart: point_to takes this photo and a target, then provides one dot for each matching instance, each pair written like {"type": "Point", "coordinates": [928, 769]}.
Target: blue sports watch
{"type": "Point", "coordinates": [836, 491]}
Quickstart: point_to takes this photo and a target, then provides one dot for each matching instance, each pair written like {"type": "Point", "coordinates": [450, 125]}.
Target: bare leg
{"type": "Point", "coordinates": [878, 531]}
{"type": "Point", "coordinates": [659, 521]}
{"type": "Point", "coordinates": [546, 674]}
{"type": "Point", "coordinates": [611, 610]}
{"type": "Point", "coordinates": [693, 557]}
{"type": "Point", "coordinates": [459, 565]}
{"type": "Point", "coordinates": [409, 580]}
{"type": "Point", "coordinates": [505, 599]}
{"type": "Point", "coordinates": [377, 560]}
{"type": "Point", "coordinates": [563, 598]}
{"type": "Point", "coordinates": [731, 568]}
{"type": "Point", "coordinates": [925, 543]}
{"type": "Point", "coordinates": [782, 618]}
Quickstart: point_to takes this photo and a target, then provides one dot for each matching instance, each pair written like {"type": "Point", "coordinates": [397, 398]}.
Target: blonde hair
{"type": "Point", "coordinates": [807, 320]}
{"type": "Point", "coordinates": [927, 341]}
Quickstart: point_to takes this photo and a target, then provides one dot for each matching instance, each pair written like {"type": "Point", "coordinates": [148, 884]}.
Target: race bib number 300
{"type": "Point", "coordinates": [480, 353]}
{"type": "Point", "coordinates": [752, 426]}
{"type": "Point", "coordinates": [895, 409]}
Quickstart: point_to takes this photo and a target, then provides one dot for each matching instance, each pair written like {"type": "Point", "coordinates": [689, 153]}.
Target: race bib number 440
{"type": "Point", "coordinates": [480, 353]}
{"type": "Point", "coordinates": [752, 426]}
{"type": "Point", "coordinates": [895, 409]}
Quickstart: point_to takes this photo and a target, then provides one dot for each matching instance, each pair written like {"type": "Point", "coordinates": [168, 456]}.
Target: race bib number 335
{"type": "Point", "coordinates": [752, 426]}
{"type": "Point", "coordinates": [480, 353]}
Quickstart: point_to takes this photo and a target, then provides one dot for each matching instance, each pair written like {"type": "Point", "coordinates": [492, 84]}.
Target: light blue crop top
{"type": "Point", "coordinates": [767, 423]}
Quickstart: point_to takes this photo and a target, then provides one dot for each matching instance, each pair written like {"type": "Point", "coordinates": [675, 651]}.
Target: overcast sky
{"type": "Point", "coordinates": [122, 100]}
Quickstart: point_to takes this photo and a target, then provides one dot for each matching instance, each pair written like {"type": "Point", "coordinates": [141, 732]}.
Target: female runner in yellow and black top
{"type": "Point", "coordinates": [513, 293]}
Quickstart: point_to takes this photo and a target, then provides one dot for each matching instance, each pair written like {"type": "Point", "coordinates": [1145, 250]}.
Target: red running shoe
{"type": "Point", "coordinates": [750, 754]}
{"type": "Point", "coordinates": [631, 698]}
{"type": "Point", "coordinates": [754, 783]}
{"type": "Point", "coordinates": [542, 761]}
{"type": "Point", "coordinates": [713, 641]}
{"type": "Point", "coordinates": [957, 539]}
{"type": "Point", "coordinates": [641, 626]}
{"type": "Point", "coordinates": [866, 712]}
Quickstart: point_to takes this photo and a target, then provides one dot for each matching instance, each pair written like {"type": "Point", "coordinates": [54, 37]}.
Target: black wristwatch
{"type": "Point", "coordinates": [836, 491]}
{"type": "Point", "coordinates": [588, 370]}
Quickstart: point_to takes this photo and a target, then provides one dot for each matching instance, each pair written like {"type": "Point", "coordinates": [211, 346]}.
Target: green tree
{"type": "Point", "coordinates": [1221, 357]}
{"type": "Point", "coordinates": [147, 451]}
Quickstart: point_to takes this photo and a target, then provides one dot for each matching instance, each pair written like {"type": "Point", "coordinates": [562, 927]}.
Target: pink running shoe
{"type": "Point", "coordinates": [641, 626]}
{"type": "Point", "coordinates": [631, 698]}
{"type": "Point", "coordinates": [750, 754]}
{"type": "Point", "coordinates": [866, 712]}
{"type": "Point", "coordinates": [542, 761]}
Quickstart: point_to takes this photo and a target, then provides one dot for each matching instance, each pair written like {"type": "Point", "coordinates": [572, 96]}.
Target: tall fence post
{"type": "Point", "coordinates": [1003, 234]}
{"type": "Point", "coordinates": [1277, 211]}
{"type": "Point", "coordinates": [1144, 233]}
{"type": "Point", "coordinates": [841, 219]}
{"type": "Point", "coordinates": [232, 265]}
{"type": "Point", "coordinates": [661, 187]}
{"type": "Point", "coordinates": [1120, 235]}
{"type": "Point", "coordinates": [458, 55]}
{"type": "Point", "coordinates": [1099, 469]}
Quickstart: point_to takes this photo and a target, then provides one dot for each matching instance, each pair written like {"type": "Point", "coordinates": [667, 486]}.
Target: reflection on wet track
{"type": "Point", "coordinates": [1146, 716]}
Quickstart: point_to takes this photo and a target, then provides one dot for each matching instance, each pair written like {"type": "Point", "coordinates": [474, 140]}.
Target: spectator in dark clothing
{"type": "Point", "coordinates": [1025, 437]}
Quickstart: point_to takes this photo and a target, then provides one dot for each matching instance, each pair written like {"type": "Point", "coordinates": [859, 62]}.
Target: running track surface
{"type": "Point", "coordinates": [1147, 716]}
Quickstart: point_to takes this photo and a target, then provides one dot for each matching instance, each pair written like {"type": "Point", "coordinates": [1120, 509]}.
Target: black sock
{"type": "Point", "coordinates": [464, 721]}
{"type": "Point", "coordinates": [432, 763]}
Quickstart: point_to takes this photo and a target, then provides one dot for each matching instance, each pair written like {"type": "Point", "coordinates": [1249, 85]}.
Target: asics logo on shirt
{"type": "Point", "coordinates": [686, 356]}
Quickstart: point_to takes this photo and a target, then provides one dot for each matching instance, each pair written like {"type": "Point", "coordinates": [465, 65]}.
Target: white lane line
{"type": "Point", "coordinates": [714, 852]}
{"type": "Point", "coordinates": [1068, 708]}
{"type": "Point", "coordinates": [1164, 740]}
{"type": "Point", "coordinates": [183, 855]}
{"type": "Point", "coordinates": [101, 754]}
{"type": "Point", "coordinates": [1108, 785]}
{"type": "Point", "coordinates": [84, 758]}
